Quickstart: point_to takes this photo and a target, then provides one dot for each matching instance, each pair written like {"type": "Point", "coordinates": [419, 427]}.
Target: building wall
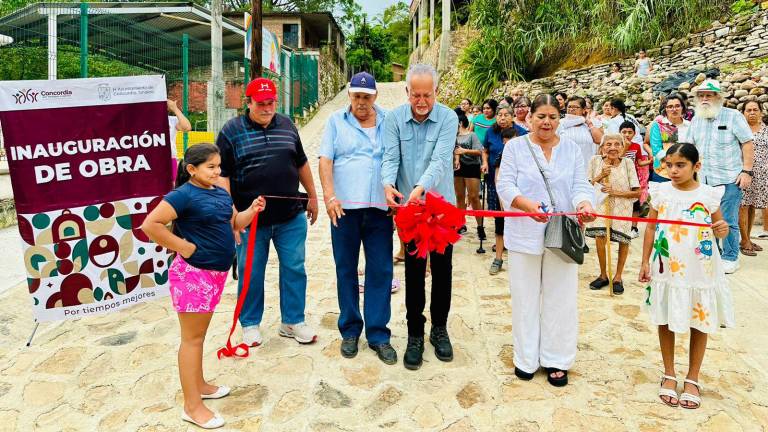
{"type": "Point", "coordinates": [198, 91]}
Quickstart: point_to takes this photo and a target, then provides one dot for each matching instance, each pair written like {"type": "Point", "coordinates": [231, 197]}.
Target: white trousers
{"type": "Point", "coordinates": [544, 311]}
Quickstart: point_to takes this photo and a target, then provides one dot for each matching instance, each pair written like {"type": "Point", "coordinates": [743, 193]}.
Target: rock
{"type": "Point", "coordinates": [8, 419]}
{"type": "Point", "coordinates": [763, 98]}
{"type": "Point", "coordinates": [63, 362]}
{"type": "Point", "coordinates": [738, 77]}
{"type": "Point", "coordinates": [118, 339]}
{"type": "Point", "coordinates": [116, 420]}
{"type": "Point", "coordinates": [388, 397]}
{"type": "Point", "coordinates": [720, 422]}
{"type": "Point", "coordinates": [757, 91]}
{"type": "Point", "coordinates": [700, 78]}
{"type": "Point", "coordinates": [367, 376]}
{"type": "Point", "coordinates": [470, 395]}
{"type": "Point", "coordinates": [290, 405]}
{"type": "Point", "coordinates": [427, 416]}
{"type": "Point", "coordinates": [328, 396]}
{"type": "Point", "coordinates": [748, 85]}
{"type": "Point", "coordinates": [249, 424]}
{"type": "Point", "coordinates": [245, 400]}
{"type": "Point", "coordinates": [740, 93]}
{"type": "Point", "coordinates": [506, 355]}
{"type": "Point", "coordinates": [40, 393]}
{"type": "Point", "coordinates": [463, 425]}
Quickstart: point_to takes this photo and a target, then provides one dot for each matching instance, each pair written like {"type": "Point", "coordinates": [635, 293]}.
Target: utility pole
{"type": "Point", "coordinates": [216, 85]}
{"type": "Point", "coordinates": [256, 22]}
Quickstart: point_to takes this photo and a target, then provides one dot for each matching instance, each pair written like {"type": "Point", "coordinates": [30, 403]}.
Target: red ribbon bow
{"type": "Point", "coordinates": [432, 224]}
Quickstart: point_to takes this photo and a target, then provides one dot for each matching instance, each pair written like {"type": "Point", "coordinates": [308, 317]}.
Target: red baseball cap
{"type": "Point", "coordinates": [261, 89]}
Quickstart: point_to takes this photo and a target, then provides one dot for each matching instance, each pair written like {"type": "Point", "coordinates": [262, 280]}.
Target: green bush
{"type": "Point", "coordinates": [524, 39]}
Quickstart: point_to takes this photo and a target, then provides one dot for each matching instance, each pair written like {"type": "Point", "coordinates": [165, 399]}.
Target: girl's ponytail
{"type": "Point", "coordinates": [182, 175]}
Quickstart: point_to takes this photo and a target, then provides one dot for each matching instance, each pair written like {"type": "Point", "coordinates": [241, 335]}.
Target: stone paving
{"type": "Point", "coordinates": [118, 372]}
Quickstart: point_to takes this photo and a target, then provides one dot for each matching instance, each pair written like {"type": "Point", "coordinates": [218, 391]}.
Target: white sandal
{"type": "Point", "coordinates": [670, 393]}
{"type": "Point", "coordinates": [691, 397]}
{"type": "Point", "coordinates": [214, 423]}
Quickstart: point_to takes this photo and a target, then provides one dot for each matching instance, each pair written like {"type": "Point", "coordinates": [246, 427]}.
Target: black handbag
{"type": "Point", "coordinates": [563, 234]}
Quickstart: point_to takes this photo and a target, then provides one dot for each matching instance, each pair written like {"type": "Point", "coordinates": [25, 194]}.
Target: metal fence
{"type": "Point", "coordinates": [127, 38]}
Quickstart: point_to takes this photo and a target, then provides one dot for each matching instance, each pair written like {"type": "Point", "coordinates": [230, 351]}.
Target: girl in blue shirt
{"type": "Point", "coordinates": [202, 237]}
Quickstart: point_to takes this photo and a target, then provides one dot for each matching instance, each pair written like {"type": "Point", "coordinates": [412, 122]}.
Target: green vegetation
{"type": "Point", "coordinates": [525, 39]}
{"type": "Point", "coordinates": [24, 63]}
{"type": "Point", "coordinates": [373, 47]}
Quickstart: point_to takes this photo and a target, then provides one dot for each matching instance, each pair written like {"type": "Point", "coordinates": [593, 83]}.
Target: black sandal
{"type": "Point", "coordinates": [523, 375]}
{"type": "Point", "coordinates": [557, 382]}
{"type": "Point", "coordinates": [618, 288]}
{"type": "Point", "coordinates": [598, 283]}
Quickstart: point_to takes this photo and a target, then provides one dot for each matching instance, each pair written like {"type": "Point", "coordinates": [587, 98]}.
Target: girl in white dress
{"type": "Point", "coordinates": [687, 285]}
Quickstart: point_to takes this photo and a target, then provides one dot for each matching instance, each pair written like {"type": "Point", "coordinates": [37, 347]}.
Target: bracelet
{"type": "Point", "coordinates": [748, 172]}
{"type": "Point", "coordinates": [331, 199]}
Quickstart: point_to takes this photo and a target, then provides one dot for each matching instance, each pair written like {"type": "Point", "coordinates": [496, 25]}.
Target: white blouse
{"type": "Point", "coordinates": [519, 175]}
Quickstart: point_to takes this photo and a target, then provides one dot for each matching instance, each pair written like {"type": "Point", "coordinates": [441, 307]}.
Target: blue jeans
{"type": "Point", "coordinates": [729, 206]}
{"type": "Point", "coordinates": [372, 227]}
{"type": "Point", "coordinates": [289, 239]}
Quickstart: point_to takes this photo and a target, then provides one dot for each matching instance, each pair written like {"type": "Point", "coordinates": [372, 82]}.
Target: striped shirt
{"type": "Point", "coordinates": [719, 141]}
{"type": "Point", "coordinates": [263, 161]}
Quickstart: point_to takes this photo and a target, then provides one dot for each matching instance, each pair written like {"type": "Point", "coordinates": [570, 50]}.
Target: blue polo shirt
{"type": "Point", "coordinates": [357, 157]}
{"type": "Point", "coordinates": [263, 161]}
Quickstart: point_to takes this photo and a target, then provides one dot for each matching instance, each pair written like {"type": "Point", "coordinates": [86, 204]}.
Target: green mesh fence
{"type": "Point", "coordinates": [132, 38]}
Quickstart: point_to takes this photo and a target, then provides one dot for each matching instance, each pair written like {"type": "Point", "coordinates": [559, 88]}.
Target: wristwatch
{"type": "Point", "coordinates": [749, 173]}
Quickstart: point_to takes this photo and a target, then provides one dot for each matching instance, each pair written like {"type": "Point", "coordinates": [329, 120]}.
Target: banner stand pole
{"type": "Point", "coordinates": [34, 330]}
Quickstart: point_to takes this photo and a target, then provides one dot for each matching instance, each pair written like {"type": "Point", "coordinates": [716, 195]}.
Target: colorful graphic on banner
{"type": "Point", "coordinates": [89, 158]}
{"type": "Point", "coordinates": [270, 46]}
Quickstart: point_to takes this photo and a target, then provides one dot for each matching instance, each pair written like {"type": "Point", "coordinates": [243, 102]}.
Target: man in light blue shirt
{"type": "Point", "coordinates": [350, 173]}
{"type": "Point", "coordinates": [725, 144]}
{"type": "Point", "coordinates": [419, 138]}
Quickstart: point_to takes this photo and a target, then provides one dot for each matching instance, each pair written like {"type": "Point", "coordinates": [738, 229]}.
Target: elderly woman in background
{"type": "Point", "coordinates": [494, 145]}
{"type": "Point", "coordinates": [618, 180]}
{"type": "Point", "coordinates": [579, 129]}
{"type": "Point", "coordinates": [543, 286]}
{"type": "Point", "coordinates": [756, 195]}
{"type": "Point", "coordinates": [522, 108]}
{"type": "Point", "coordinates": [668, 128]}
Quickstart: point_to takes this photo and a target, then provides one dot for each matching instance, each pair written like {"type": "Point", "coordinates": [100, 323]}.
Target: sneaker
{"type": "Point", "coordinates": [413, 352]}
{"type": "Point", "coordinates": [634, 233]}
{"type": "Point", "coordinates": [439, 339]}
{"type": "Point", "coordinates": [349, 347]}
{"type": "Point", "coordinates": [762, 236]}
{"type": "Point", "coordinates": [252, 336]}
{"type": "Point", "coordinates": [495, 266]}
{"type": "Point", "coordinates": [385, 352]}
{"type": "Point", "coordinates": [463, 229]}
{"type": "Point", "coordinates": [481, 233]}
{"type": "Point", "coordinates": [301, 332]}
{"type": "Point", "coordinates": [730, 267]}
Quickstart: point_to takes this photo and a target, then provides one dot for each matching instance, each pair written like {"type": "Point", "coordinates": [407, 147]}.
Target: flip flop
{"type": "Point", "coordinates": [748, 252]}
{"type": "Point", "coordinates": [757, 248]}
{"type": "Point", "coordinates": [557, 382]}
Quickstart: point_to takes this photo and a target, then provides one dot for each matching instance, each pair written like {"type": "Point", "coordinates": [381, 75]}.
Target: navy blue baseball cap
{"type": "Point", "coordinates": [362, 82]}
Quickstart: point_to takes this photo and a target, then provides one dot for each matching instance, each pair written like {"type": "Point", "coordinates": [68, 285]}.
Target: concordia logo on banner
{"type": "Point", "coordinates": [25, 96]}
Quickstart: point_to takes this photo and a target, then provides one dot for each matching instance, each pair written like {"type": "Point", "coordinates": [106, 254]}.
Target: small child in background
{"type": "Point", "coordinates": [202, 237]}
{"type": "Point", "coordinates": [642, 163]}
{"type": "Point", "coordinates": [687, 288]}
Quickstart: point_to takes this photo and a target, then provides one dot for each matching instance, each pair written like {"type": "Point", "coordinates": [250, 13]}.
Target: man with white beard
{"type": "Point", "coordinates": [724, 141]}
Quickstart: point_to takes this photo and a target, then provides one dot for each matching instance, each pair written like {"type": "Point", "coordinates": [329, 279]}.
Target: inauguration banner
{"type": "Point", "coordinates": [89, 158]}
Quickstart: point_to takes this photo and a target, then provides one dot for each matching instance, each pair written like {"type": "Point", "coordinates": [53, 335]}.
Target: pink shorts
{"type": "Point", "coordinates": [194, 289]}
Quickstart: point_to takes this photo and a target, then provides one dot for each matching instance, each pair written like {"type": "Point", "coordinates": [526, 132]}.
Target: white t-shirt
{"type": "Point", "coordinates": [172, 123]}
{"type": "Point", "coordinates": [371, 132]}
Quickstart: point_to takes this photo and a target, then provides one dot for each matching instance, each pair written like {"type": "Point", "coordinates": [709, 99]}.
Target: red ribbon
{"type": "Point", "coordinates": [433, 223]}
{"type": "Point", "coordinates": [241, 350]}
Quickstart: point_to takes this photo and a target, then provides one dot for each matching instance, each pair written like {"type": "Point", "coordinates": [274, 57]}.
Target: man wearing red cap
{"type": "Point", "coordinates": [262, 155]}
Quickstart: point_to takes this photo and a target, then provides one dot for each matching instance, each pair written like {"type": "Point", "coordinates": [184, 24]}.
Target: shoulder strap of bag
{"type": "Point", "coordinates": [538, 165]}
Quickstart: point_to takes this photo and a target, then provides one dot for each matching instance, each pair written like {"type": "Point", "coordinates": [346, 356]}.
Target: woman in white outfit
{"type": "Point", "coordinates": [543, 288]}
